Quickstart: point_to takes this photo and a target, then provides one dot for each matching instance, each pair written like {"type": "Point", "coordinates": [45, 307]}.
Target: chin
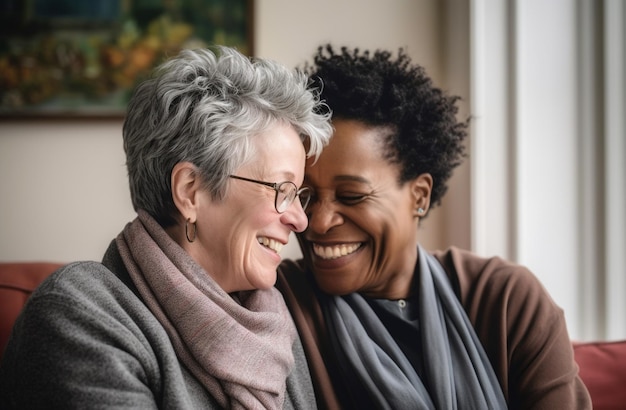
{"type": "Point", "coordinates": [333, 286]}
{"type": "Point", "coordinates": [265, 282]}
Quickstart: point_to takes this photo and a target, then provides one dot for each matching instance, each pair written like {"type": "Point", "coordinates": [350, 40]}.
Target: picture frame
{"type": "Point", "coordinates": [69, 58]}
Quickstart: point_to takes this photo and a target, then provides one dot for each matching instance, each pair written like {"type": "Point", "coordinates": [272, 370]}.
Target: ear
{"type": "Point", "coordinates": [421, 188]}
{"type": "Point", "coordinates": [186, 183]}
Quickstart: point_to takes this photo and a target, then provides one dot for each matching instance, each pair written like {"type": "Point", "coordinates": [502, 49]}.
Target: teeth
{"type": "Point", "coordinates": [334, 252]}
{"type": "Point", "coordinates": [271, 243]}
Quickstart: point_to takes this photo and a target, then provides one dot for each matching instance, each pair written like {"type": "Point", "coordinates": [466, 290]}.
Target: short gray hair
{"type": "Point", "coordinates": [204, 107]}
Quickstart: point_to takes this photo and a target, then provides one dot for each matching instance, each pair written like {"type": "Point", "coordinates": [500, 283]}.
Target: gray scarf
{"type": "Point", "coordinates": [456, 370]}
{"type": "Point", "coordinates": [241, 353]}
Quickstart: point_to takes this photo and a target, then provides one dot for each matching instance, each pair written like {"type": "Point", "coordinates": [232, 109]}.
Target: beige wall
{"type": "Point", "coordinates": [63, 188]}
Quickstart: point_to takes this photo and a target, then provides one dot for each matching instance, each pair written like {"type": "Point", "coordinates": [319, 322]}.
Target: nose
{"type": "Point", "coordinates": [323, 216]}
{"type": "Point", "coordinates": [295, 217]}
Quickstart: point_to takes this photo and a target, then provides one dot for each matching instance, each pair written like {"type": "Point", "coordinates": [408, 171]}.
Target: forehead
{"type": "Point", "coordinates": [279, 149]}
{"type": "Point", "coordinates": [354, 149]}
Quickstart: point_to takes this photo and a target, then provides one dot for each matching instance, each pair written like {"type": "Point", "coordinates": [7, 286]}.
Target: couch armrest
{"type": "Point", "coordinates": [602, 367]}
{"type": "Point", "coordinates": [17, 281]}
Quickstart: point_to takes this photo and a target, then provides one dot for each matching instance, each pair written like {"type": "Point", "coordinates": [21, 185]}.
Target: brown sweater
{"type": "Point", "coordinates": [521, 328]}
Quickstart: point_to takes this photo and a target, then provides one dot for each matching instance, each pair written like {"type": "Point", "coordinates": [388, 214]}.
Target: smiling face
{"type": "Point", "coordinates": [238, 238]}
{"type": "Point", "coordinates": [362, 234]}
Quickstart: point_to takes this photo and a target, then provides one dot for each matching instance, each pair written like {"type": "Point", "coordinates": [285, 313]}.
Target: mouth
{"type": "Point", "coordinates": [335, 251]}
{"type": "Point", "coordinates": [270, 243]}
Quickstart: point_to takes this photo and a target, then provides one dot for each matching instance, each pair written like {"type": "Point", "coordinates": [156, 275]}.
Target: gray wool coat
{"type": "Point", "coordinates": [86, 340]}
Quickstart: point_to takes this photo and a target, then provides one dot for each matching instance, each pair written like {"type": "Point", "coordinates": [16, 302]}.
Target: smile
{"type": "Point", "coordinates": [336, 251]}
{"type": "Point", "coordinates": [271, 244]}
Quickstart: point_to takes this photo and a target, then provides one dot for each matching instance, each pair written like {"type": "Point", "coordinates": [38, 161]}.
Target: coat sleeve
{"type": "Point", "coordinates": [74, 346]}
{"type": "Point", "coordinates": [299, 295]}
{"type": "Point", "coordinates": [522, 330]}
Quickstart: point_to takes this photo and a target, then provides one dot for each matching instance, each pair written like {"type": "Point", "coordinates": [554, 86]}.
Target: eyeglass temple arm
{"type": "Point", "coordinates": [273, 185]}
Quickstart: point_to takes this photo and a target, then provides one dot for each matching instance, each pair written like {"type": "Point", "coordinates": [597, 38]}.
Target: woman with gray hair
{"type": "Point", "coordinates": [182, 312]}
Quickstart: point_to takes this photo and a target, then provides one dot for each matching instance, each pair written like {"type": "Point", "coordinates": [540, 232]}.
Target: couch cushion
{"type": "Point", "coordinates": [17, 282]}
{"type": "Point", "coordinates": [603, 370]}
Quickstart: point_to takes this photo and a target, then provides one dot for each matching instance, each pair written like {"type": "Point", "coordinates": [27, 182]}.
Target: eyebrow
{"type": "Point", "coordinates": [352, 178]}
{"type": "Point", "coordinates": [288, 175]}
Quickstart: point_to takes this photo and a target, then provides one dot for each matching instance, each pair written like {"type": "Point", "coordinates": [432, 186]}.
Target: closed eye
{"type": "Point", "coordinates": [351, 199]}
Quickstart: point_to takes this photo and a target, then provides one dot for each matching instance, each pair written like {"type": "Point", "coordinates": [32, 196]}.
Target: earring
{"type": "Point", "coordinates": [420, 211]}
{"type": "Point", "coordinates": [187, 223]}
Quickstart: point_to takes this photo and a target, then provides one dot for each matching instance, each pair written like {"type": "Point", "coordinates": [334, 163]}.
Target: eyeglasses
{"type": "Point", "coordinates": [286, 192]}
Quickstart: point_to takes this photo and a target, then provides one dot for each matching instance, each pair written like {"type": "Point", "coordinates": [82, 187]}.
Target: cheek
{"type": "Point", "coordinates": [246, 226]}
{"type": "Point", "coordinates": [258, 217]}
{"type": "Point", "coordinates": [234, 229]}
{"type": "Point", "coordinates": [375, 219]}
{"type": "Point", "coordinates": [390, 230]}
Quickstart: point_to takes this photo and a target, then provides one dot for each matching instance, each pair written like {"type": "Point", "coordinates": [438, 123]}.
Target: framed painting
{"type": "Point", "coordinates": [69, 58]}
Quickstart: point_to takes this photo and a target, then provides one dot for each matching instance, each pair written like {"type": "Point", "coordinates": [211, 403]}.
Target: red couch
{"type": "Point", "coordinates": [602, 367]}
{"type": "Point", "coordinates": [17, 282]}
{"type": "Point", "coordinates": [602, 364]}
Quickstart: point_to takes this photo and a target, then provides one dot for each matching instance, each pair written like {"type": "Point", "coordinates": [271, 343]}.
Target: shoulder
{"type": "Point", "coordinates": [502, 297]}
{"type": "Point", "coordinates": [85, 283]}
{"type": "Point", "coordinates": [83, 298]}
{"type": "Point", "coordinates": [292, 269]}
{"type": "Point", "coordinates": [473, 266]}
{"type": "Point", "coordinates": [521, 328]}
{"type": "Point", "coordinates": [297, 286]}
{"type": "Point", "coordinates": [474, 275]}
{"type": "Point", "coordinates": [292, 278]}
{"type": "Point", "coordinates": [84, 323]}
{"type": "Point", "coordinates": [78, 274]}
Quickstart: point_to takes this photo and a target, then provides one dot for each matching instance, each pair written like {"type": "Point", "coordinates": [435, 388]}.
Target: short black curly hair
{"type": "Point", "coordinates": [378, 90]}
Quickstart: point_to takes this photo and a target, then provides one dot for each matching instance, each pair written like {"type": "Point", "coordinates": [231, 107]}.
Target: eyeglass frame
{"type": "Point", "coordinates": [276, 187]}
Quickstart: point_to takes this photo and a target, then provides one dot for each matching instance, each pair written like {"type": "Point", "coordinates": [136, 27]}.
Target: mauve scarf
{"type": "Point", "coordinates": [457, 373]}
{"type": "Point", "coordinates": [241, 353]}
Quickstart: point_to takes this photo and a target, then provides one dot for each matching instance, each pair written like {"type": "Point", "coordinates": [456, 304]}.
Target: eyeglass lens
{"type": "Point", "coordinates": [304, 194]}
{"type": "Point", "coordinates": [287, 192]}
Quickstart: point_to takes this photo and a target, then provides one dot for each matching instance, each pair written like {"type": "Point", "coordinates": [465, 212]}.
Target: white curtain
{"type": "Point", "coordinates": [548, 96]}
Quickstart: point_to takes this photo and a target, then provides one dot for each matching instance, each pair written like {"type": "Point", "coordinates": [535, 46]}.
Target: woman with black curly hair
{"type": "Point", "coordinates": [385, 323]}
